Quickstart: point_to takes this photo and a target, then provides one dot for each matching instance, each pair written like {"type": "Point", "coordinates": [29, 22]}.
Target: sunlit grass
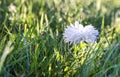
{"type": "Point", "coordinates": [37, 48]}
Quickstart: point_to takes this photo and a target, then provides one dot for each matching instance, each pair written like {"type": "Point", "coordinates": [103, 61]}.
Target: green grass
{"type": "Point", "coordinates": [32, 45]}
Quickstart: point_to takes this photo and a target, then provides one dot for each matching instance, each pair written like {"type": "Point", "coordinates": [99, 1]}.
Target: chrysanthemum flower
{"type": "Point", "coordinates": [12, 8]}
{"type": "Point", "coordinates": [76, 33]}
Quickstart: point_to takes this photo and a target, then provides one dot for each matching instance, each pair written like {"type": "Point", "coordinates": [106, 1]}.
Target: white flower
{"type": "Point", "coordinates": [12, 8]}
{"type": "Point", "coordinates": [76, 33]}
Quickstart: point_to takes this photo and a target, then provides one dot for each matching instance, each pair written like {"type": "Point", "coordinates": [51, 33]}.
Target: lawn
{"type": "Point", "coordinates": [32, 42]}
